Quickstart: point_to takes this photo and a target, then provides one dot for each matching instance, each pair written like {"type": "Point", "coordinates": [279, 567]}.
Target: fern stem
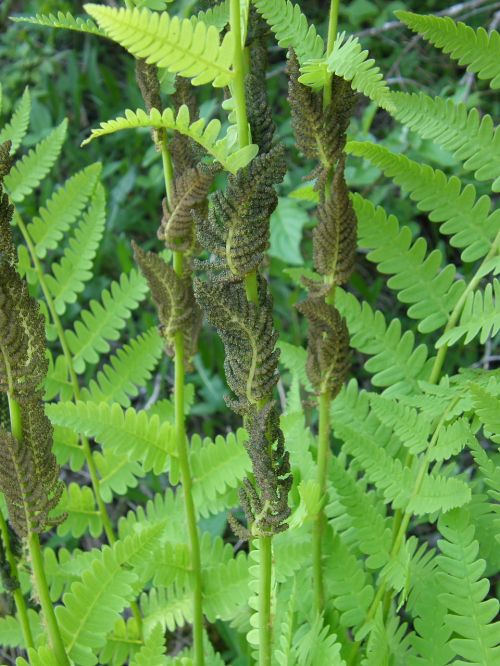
{"type": "Point", "coordinates": [19, 600]}
{"type": "Point", "coordinates": [332, 34]}
{"type": "Point", "coordinates": [265, 620]}
{"type": "Point", "coordinates": [89, 459]}
{"type": "Point", "coordinates": [457, 310]}
{"type": "Point", "coordinates": [168, 169]}
{"type": "Point", "coordinates": [35, 550]}
{"type": "Point", "coordinates": [323, 457]}
{"type": "Point", "coordinates": [238, 84]}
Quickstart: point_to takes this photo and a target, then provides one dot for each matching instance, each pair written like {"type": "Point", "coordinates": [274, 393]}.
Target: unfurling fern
{"type": "Point", "coordinates": [174, 300]}
{"type": "Point", "coordinates": [328, 346]}
{"type": "Point", "coordinates": [237, 227]}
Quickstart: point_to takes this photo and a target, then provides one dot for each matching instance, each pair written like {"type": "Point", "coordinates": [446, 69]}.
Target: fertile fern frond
{"type": "Point", "coordinates": [472, 138]}
{"type": "Point", "coordinates": [68, 276]}
{"type": "Point", "coordinates": [189, 192]}
{"type": "Point", "coordinates": [471, 616]}
{"type": "Point", "coordinates": [320, 133]}
{"type": "Point", "coordinates": [174, 300]}
{"type": "Point", "coordinates": [349, 61]}
{"type": "Point", "coordinates": [396, 363]}
{"type": "Point", "coordinates": [480, 317]}
{"type": "Point", "coordinates": [62, 20]}
{"type": "Point", "coordinates": [475, 49]}
{"type": "Point", "coordinates": [247, 332]}
{"type": "Point", "coordinates": [127, 369]}
{"type": "Point", "coordinates": [328, 359]}
{"type": "Point", "coordinates": [399, 484]}
{"type": "Point", "coordinates": [29, 474]}
{"type": "Point", "coordinates": [103, 320]}
{"type": "Point", "coordinates": [206, 135]}
{"type": "Point", "coordinates": [237, 227]}
{"type": "Point", "coordinates": [185, 152]}
{"type": "Point", "coordinates": [334, 237]}
{"type": "Point", "coordinates": [134, 434]}
{"type": "Point", "coordinates": [62, 209]}
{"type": "Point", "coordinates": [260, 115]}
{"type": "Point", "coordinates": [16, 129]}
{"type": "Point", "coordinates": [432, 292]}
{"type": "Point", "coordinates": [459, 212]}
{"type": "Point", "coordinates": [184, 46]}
{"type": "Point", "coordinates": [291, 28]}
{"type": "Point", "coordinates": [29, 171]}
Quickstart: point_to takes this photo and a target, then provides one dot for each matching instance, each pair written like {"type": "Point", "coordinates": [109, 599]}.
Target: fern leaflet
{"type": "Point", "coordinates": [476, 49]}
{"type": "Point", "coordinates": [206, 135]}
{"type": "Point", "coordinates": [62, 20]}
{"type": "Point", "coordinates": [78, 502]}
{"type": "Point", "coordinates": [28, 172]}
{"type": "Point", "coordinates": [152, 653]}
{"type": "Point", "coordinates": [186, 47]}
{"type": "Point", "coordinates": [472, 138]}
{"type": "Point", "coordinates": [117, 473]}
{"type": "Point", "coordinates": [16, 129]}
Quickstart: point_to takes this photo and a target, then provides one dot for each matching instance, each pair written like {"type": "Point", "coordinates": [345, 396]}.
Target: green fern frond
{"type": "Point", "coordinates": [291, 28]}
{"type": "Point", "coordinates": [63, 209]}
{"type": "Point", "coordinates": [471, 616]}
{"type": "Point", "coordinates": [396, 363]}
{"type": "Point", "coordinates": [480, 317]}
{"type": "Point", "coordinates": [16, 129]}
{"type": "Point", "coordinates": [117, 473]}
{"type": "Point", "coordinates": [68, 276]}
{"type": "Point", "coordinates": [471, 138]}
{"type": "Point", "coordinates": [315, 644]}
{"type": "Point", "coordinates": [11, 635]}
{"type": "Point", "coordinates": [431, 292]}
{"type": "Point", "coordinates": [122, 643]}
{"type": "Point", "coordinates": [29, 171]}
{"type": "Point", "coordinates": [129, 368]}
{"type": "Point", "coordinates": [399, 484]}
{"type": "Point", "coordinates": [225, 589]}
{"type": "Point", "coordinates": [103, 320]}
{"type": "Point", "coordinates": [350, 62]}
{"type": "Point", "coordinates": [44, 656]}
{"type": "Point", "coordinates": [487, 407]}
{"type": "Point", "coordinates": [67, 447]}
{"type": "Point", "coordinates": [183, 46]}
{"type": "Point", "coordinates": [82, 515]}
{"type": "Point", "coordinates": [92, 606]}
{"type": "Point", "coordinates": [152, 653]}
{"type": "Point", "coordinates": [459, 212]}
{"type": "Point", "coordinates": [217, 15]}
{"type": "Point", "coordinates": [130, 433]}
{"type": "Point", "coordinates": [475, 49]}
{"type": "Point", "coordinates": [62, 20]}
{"type": "Point", "coordinates": [216, 466]}
{"type": "Point", "coordinates": [170, 608]}
{"type": "Point", "coordinates": [206, 135]}
{"type": "Point", "coordinates": [411, 427]}
{"type": "Point", "coordinates": [166, 508]}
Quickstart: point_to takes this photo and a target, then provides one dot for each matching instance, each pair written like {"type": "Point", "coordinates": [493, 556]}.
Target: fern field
{"type": "Point", "coordinates": [249, 323]}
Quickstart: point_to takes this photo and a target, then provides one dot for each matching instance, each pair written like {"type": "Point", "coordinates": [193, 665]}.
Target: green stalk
{"type": "Point", "coordinates": [265, 620]}
{"type": "Point", "coordinates": [182, 443]}
{"type": "Point", "coordinates": [22, 611]}
{"type": "Point", "coordinates": [35, 550]}
{"type": "Point", "coordinates": [319, 523]}
{"type": "Point", "coordinates": [89, 459]}
{"type": "Point", "coordinates": [332, 34]}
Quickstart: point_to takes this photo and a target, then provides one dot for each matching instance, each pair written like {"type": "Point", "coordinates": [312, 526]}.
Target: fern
{"type": "Point", "coordinates": [480, 317]}
{"type": "Point", "coordinates": [461, 215]}
{"type": "Point", "coordinates": [82, 515]}
{"type": "Point", "coordinates": [128, 369]}
{"type": "Point", "coordinates": [217, 15]}
{"type": "Point", "coordinates": [206, 135]}
{"type": "Point", "coordinates": [62, 210]}
{"type": "Point", "coordinates": [170, 608]}
{"type": "Point", "coordinates": [476, 49]}
{"type": "Point", "coordinates": [487, 407]}
{"type": "Point", "coordinates": [103, 320]}
{"type": "Point", "coordinates": [152, 653]}
{"type": "Point", "coordinates": [472, 138]}
{"type": "Point", "coordinates": [16, 129]}
{"type": "Point", "coordinates": [62, 20]}
{"type": "Point", "coordinates": [469, 616]}
{"type": "Point", "coordinates": [348, 61]}
{"type": "Point", "coordinates": [291, 28]}
{"type": "Point", "coordinates": [117, 474]}
{"type": "Point", "coordinates": [129, 433]}
{"type": "Point", "coordinates": [69, 275]}
{"type": "Point", "coordinates": [28, 172]}
{"type": "Point", "coordinates": [418, 278]}
{"type": "Point", "coordinates": [186, 47]}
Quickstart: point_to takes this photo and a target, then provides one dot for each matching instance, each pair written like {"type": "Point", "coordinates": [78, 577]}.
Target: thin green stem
{"type": "Point", "coordinates": [238, 83]}
{"type": "Point", "coordinates": [89, 459]}
{"type": "Point", "coordinates": [333, 18]}
{"type": "Point", "coordinates": [265, 620]}
{"type": "Point", "coordinates": [319, 523]}
{"type": "Point", "coordinates": [19, 600]}
{"type": "Point", "coordinates": [16, 424]}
